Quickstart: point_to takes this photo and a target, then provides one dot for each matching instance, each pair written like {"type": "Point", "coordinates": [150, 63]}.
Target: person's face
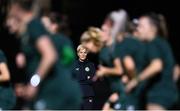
{"type": "Point", "coordinates": [13, 22]}
{"type": "Point", "coordinates": [17, 11]}
{"type": "Point", "coordinates": [145, 29]}
{"type": "Point", "coordinates": [105, 33]}
{"type": "Point", "coordinates": [82, 54]}
{"type": "Point", "coordinates": [91, 47]}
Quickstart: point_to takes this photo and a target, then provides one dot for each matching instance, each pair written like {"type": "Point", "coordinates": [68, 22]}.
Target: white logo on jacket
{"type": "Point", "coordinates": [87, 69]}
{"type": "Point", "coordinates": [77, 69]}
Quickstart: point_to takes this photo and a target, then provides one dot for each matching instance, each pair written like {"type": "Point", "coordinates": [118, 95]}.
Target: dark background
{"type": "Point", "coordinates": [85, 13]}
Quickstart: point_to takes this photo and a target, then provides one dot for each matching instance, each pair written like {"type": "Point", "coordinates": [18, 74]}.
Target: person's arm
{"type": "Point", "coordinates": [116, 70]}
{"type": "Point", "coordinates": [112, 99]}
{"type": "Point", "coordinates": [129, 66]}
{"type": "Point", "coordinates": [48, 56]}
{"type": "Point", "coordinates": [41, 41]}
{"type": "Point", "coordinates": [154, 67]}
{"type": "Point", "coordinates": [176, 72]}
{"type": "Point", "coordinates": [4, 72]}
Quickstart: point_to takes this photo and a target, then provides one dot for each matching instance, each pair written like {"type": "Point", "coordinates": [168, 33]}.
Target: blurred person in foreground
{"type": "Point", "coordinates": [7, 96]}
{"type": "Point", "coordinates": [56, 25]}
{"type": "Point", "coordinates": [157, 76]}
{"type": "Point", "coordinates": [50, 86]}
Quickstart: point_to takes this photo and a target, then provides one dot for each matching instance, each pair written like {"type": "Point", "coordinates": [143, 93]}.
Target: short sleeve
{"type": "Point", "coordinates": [116, 51]}
{"type": "Point", "coordinates": [120, 51]}
{"type": "Point", "coordinates": [153, 52]}
{"type": "Point", "coordinates": [127, 47]}
{"type": "Point", "coordinates": [36, 29]}
{"type": "Point", "coordinates": [2, 57]}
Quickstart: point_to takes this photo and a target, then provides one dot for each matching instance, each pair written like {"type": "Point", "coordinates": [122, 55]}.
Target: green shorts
{"type": "Point", "coordinates": [59, 92]}
{"type": "Point", "coordinates": [163, 95]}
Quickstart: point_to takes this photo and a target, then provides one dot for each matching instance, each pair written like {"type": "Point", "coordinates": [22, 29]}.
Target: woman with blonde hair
{"type": "Point", "coordinates": [84, 71]}
{"type": "Point", "coordinates": [110, 67]}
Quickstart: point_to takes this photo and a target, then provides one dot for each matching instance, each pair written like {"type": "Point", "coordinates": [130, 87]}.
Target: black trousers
{"type": "Point", "coordinates": [87, 103]}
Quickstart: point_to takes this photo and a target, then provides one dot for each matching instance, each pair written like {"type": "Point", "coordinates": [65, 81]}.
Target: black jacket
{"type": "Point", "coordinates": [84, 72]}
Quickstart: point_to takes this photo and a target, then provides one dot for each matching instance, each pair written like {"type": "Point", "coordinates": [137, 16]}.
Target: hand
{"type": "Point", "coordinates": [131, 84]}
{"type": "Point", "coordinates": [106, 107]}
{"type": "Point", "coordinates": [114, 97]}
{"type": "Point", "coordinates": [125, 79]}
{"type": "Point", "coordinates": [101, 71]}
{"type": "Point", "coordinates": [30, 92]}
{"type": "Point", "coordinates": [19, 90]}
{"type": "Point", "coordinates": [20, 60]}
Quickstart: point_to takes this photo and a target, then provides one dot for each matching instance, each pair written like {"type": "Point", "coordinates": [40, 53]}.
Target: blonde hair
{"type": "Point", "coordinates": [92, 34]}
{"type": "Point", "coordinates": [81, 47]}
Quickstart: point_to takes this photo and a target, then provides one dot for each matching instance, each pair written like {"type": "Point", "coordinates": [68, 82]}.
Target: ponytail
{"type": "Point", "coordinates": [163, 26]}
{"type": "Point", "coordinates": [159, 22]}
